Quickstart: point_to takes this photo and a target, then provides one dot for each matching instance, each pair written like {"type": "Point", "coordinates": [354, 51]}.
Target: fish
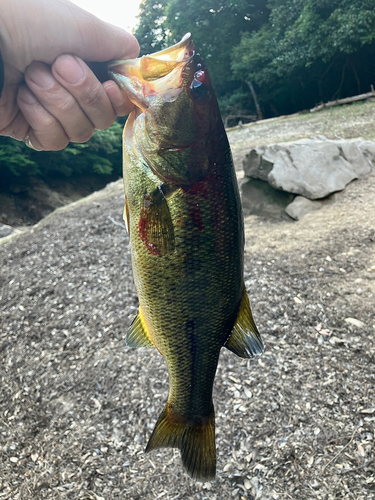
{"type": "Point", "coordinates": [186, 233]}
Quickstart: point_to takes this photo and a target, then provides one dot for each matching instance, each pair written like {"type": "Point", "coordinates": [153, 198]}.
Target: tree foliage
{"type": "Point", "coordinates": [151, 31]}
{"type": "Point", "coordinates": [309, 50]}
{"type": "Point", "coordinates": [216, 26]}
{"type": "Point", "coordinates": [294, 53]}
{"type": "Point", "coordinates": [100, 155]}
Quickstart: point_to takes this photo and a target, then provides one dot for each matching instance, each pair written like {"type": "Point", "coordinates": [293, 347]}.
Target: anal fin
{"type": "Point", "coordinates": [245, 340]}
{"type": "Point", "coordinates": [137, 335]}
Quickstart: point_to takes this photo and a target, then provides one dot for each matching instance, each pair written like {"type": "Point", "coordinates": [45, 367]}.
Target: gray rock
{"type": "Point", "coordinates": [301, 206]}
{"type": "Point", "coordinates": [259, 198]}
{"type": "Point", "coordinates": [5, 230]}
{"type": "Point", "coordinates": [313, 168]}
{"type": "Point", "coordinates": [368, 150]}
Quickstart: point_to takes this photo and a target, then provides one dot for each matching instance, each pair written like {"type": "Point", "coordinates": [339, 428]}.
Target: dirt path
{"type": "Point", "coordinates": [77, 406]}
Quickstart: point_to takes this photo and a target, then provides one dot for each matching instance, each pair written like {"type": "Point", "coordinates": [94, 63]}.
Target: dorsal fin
{"type": "Point", "coordinates": [137, 335]}
{"type": "Point", "coordinates": [245, 340]}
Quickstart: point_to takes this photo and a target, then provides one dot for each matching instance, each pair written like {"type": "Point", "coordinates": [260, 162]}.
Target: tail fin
{"type": "Point", "coordinates": [196, 440]}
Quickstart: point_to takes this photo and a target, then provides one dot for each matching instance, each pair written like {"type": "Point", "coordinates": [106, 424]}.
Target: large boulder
{"type": "Point", "coordinates": [313, 168]}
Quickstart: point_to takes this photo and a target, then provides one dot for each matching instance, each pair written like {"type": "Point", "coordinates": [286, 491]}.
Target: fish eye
{"type": "Point", "coordinates": [199, 90]}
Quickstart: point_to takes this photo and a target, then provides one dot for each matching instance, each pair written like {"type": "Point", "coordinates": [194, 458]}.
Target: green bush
{"type": "Point", "coordinates": [101, 155]}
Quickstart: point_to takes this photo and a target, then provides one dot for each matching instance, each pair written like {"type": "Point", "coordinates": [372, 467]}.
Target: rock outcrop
{"type": "Point", "coordinates": [313, 168]}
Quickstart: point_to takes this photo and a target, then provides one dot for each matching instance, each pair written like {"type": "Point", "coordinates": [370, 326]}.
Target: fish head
{"type": "Point", "coordinates": [177, 117]}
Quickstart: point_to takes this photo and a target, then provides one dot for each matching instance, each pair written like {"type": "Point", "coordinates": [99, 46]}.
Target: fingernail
{"type": "Point", "coordinates": [41, 77]}
{"type": "Point", "coordinates": [69, 69]}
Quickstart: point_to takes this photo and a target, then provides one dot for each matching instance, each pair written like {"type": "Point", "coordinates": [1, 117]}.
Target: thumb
{"type": "Point", "coordinates": [41, 30]}
{"type": "Point", "coordinates": [101, 41]}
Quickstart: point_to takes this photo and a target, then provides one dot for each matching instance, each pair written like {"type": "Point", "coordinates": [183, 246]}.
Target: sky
{"type": "Point", "coordinates": [119, 12]}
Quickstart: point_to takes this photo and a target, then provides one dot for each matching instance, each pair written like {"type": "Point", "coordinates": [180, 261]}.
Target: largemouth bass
{"type": "Point", "coordinates": [185, 224]}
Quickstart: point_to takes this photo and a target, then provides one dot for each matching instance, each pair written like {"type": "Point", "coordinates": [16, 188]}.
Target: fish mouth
{"type": "Point", "coordinates": [161, 73]}
{"type": "Point", "coordinates": [159, 64]}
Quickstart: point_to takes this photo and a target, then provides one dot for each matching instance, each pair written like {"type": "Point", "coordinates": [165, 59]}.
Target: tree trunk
{"type": "Point", "coordinates": [337, 93]}
{"type": "Point", "coordinates": [257, 107]}
{"type": "Point", "coordinates": [355, 75]}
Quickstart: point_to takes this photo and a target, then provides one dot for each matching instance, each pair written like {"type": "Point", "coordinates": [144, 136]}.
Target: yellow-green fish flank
{"type": "Point", "coordinates": [185, 224]}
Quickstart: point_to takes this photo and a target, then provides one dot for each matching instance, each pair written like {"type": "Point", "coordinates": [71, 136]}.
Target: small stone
{"type": "Point", "coordinates": [355, 322]}
{"type": "Point", "coordinates": [247, 392]}
{"type": "Point", "coordinates": [5, 230]}
{"type": "Point", "coordinates": [247, 484]}
{"type": "Point", "coordinates": [34, 457]}
{"type": "Point", "coordinates": [337, 340]}
{"type": "Point", "coordinates": [297, 300]}
{"type": "Point", "coordinates": [367, 410]}
{"type": "Point", "coordinates": [361, 450]}
{"type": "Point", "coordinates": [14, 460]}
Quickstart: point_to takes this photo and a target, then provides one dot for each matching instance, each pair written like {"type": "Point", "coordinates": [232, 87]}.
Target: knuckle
{"type": "Point", "coordinates": [67, 105]}
{"type": "Point", "coordinates": [92, 97]}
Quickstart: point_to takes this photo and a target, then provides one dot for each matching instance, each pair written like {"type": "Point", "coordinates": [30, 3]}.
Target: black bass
{"type": "Point", "coordinates": [185, 223]}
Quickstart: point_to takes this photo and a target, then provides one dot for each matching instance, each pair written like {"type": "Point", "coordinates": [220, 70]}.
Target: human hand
{"type": "Point", "coordinates": [50, 96]}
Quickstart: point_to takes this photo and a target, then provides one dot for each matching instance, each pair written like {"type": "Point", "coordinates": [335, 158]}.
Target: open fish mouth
{"type": "Point", "coordinates": [158, 74]}
{"type": "Point", "coordinates": [176, 113]}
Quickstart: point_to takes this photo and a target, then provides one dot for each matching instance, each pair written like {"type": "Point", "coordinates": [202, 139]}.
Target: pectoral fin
{"type": "Point", "coordinates": [137, 335]}
{"type": "Point", "coordinates": [155, 224]}
{"type": "Point", "coordinates": [245, 340]}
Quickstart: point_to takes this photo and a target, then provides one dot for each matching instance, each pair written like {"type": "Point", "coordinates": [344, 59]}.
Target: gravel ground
{"type": "Point", "coordinates": [77, 406]}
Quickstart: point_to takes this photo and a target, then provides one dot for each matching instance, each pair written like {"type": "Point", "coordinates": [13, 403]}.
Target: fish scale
{"type": "Point", "coordinates": [186, 234]}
